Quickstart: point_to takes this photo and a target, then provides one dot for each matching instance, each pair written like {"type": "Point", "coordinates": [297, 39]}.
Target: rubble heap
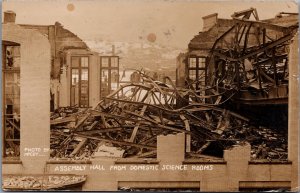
{"type": "Point", "coordinates": [127, 122]}
{"type": "Point", "coordinates": [252, 57]}
{"type": "Point", "coordinates": [39, 182]}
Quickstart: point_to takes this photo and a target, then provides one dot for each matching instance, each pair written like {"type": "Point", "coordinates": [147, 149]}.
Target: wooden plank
{"type": "Point", "coordinates": [125, 143]}
{"type": "Point", "coordinates": [204, 147]}
{"type": "Point", "coordinates": [218, 98]}
{"type": "Point", "coordinates": [151, 138]}
{"type": "Point", "coordinates": [157, 124]}
{"type": "Point", "coordinates": [135, 130]}
{"type": "Point", "coordinates": [63, 120]}
{"type": "Point", "coordinates": [12, 124]}
{"type": "Point", "coordinates": [82, 121]}
{"type": "Point", "coordinates": [92, 125]}
{"type": "Point", "coordinates": [146, 154]}
{"type": "Point", "coordinates": [92, 132]}
{"type": "Point", "coordinates": [105, 124]}
{"type": "Point", "coordinates": [96, 113]}
{"type": "Point", "coordinates": [78, 147]}
{"type": "Point", "coordinates": [223, 123]}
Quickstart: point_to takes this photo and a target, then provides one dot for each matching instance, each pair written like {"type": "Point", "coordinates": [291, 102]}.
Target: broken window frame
{"type": "Point", "coordinates": [199, 69]}
{"type": "Point", "coordinates": [109, 67]}
{"type": "Point", "coordinates": [13, 119]}
{"type": "Point", "coordinates": [198, 66]}
{"type": "Point", "coordinates": [81, 67]}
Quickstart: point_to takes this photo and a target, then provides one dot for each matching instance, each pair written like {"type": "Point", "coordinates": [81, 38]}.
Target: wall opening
{"type": "Point", "coordinates": [79, 81]}
{"type": "Point", "coordinates": [109, 75]}
{"type": "Point", "coordinates": [11, 98]}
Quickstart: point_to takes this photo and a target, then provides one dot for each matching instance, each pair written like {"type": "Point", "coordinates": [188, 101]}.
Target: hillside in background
{"type": "Point", "coordinates": [140, 55]}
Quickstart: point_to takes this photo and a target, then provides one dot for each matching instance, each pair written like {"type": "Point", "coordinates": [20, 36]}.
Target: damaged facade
{"type": "Point", "coordinates": [242, 54]}
{"type": "Point", "coordinates": [78, 76]}
{"type": "Point", "coordinates": [243, 64]}
{"type": "Point", "coordinates": [150, 123]}
{"type": "Point", "coordinates": [75, 69]}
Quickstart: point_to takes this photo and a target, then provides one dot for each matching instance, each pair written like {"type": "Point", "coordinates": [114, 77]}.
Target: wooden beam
{"type": "Point", "coordinates": [204, 147]}
{"type": "Point", "coordinates": [96, 131]}
{"type": "Point", "coordinates": [135, 130]}
{"type": "Point", "coordinates": [146, 154]}
{"type": "Point", "coordinates": [158, 124]}
{"type": "Point", "coordinates": [125, 143]}
{"type": "Point", "coordinates": [63, 120]}
{"type": "Point", "coordinates": [78, 147]}
{"type": "Point", "coordinates": [92, 126]}
{"type": "Point", "coordinates": [12, 124]}
{"type": "Point", "coordinates": [82, 121]}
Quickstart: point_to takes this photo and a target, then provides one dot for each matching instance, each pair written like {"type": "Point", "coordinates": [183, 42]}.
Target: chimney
{"type": "Point", "coordinates": [209, 21]}
{"type": "Point", "coordinates": [9, 17]}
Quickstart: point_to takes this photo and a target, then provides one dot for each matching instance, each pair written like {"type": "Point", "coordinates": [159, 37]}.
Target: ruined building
{"type": "Point", "coordinates": [76, 70]}
{"type": "Point", "coordinates": [260, 47]}
{"type": "Point", "coordinates": [145, 126]}
{"type": "Point", "coordinates": [77, 76]}
{"type": "Point", "coordinates": [243, 60]}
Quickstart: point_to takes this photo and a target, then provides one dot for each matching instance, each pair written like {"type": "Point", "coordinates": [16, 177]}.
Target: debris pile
{"type": "Point", "coordinates": [251, 57]}
{"type": "Point", "coordinates": [268, 144]}
{"type": "Point", "coordinates": [15, 182]}
{"type": "Point", "coordinates": [11, 135]}
{"type": "Point", "coordinates": [127, 122]}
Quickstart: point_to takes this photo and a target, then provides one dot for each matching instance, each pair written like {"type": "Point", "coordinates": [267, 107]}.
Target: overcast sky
{"type": "Point", "coordinates": [173, 22]}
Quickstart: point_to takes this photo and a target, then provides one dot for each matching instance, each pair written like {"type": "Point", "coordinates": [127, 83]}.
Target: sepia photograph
{"type": "Point", "coordinates": [150, 95]}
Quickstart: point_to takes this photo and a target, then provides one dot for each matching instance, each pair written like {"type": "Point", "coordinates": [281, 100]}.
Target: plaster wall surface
{"type": "Point", "coordinates": [293, 117]}
{"type": "Point", "coordinates": [35, 94]}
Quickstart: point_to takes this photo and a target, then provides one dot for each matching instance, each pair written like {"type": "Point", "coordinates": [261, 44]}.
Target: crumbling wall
{"type": "Point", "coordinates": [34, 96]}
{"type": "Point", "coordinates": [60, 40]}
{"type": "Point", "coordinates": [59, 37]}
